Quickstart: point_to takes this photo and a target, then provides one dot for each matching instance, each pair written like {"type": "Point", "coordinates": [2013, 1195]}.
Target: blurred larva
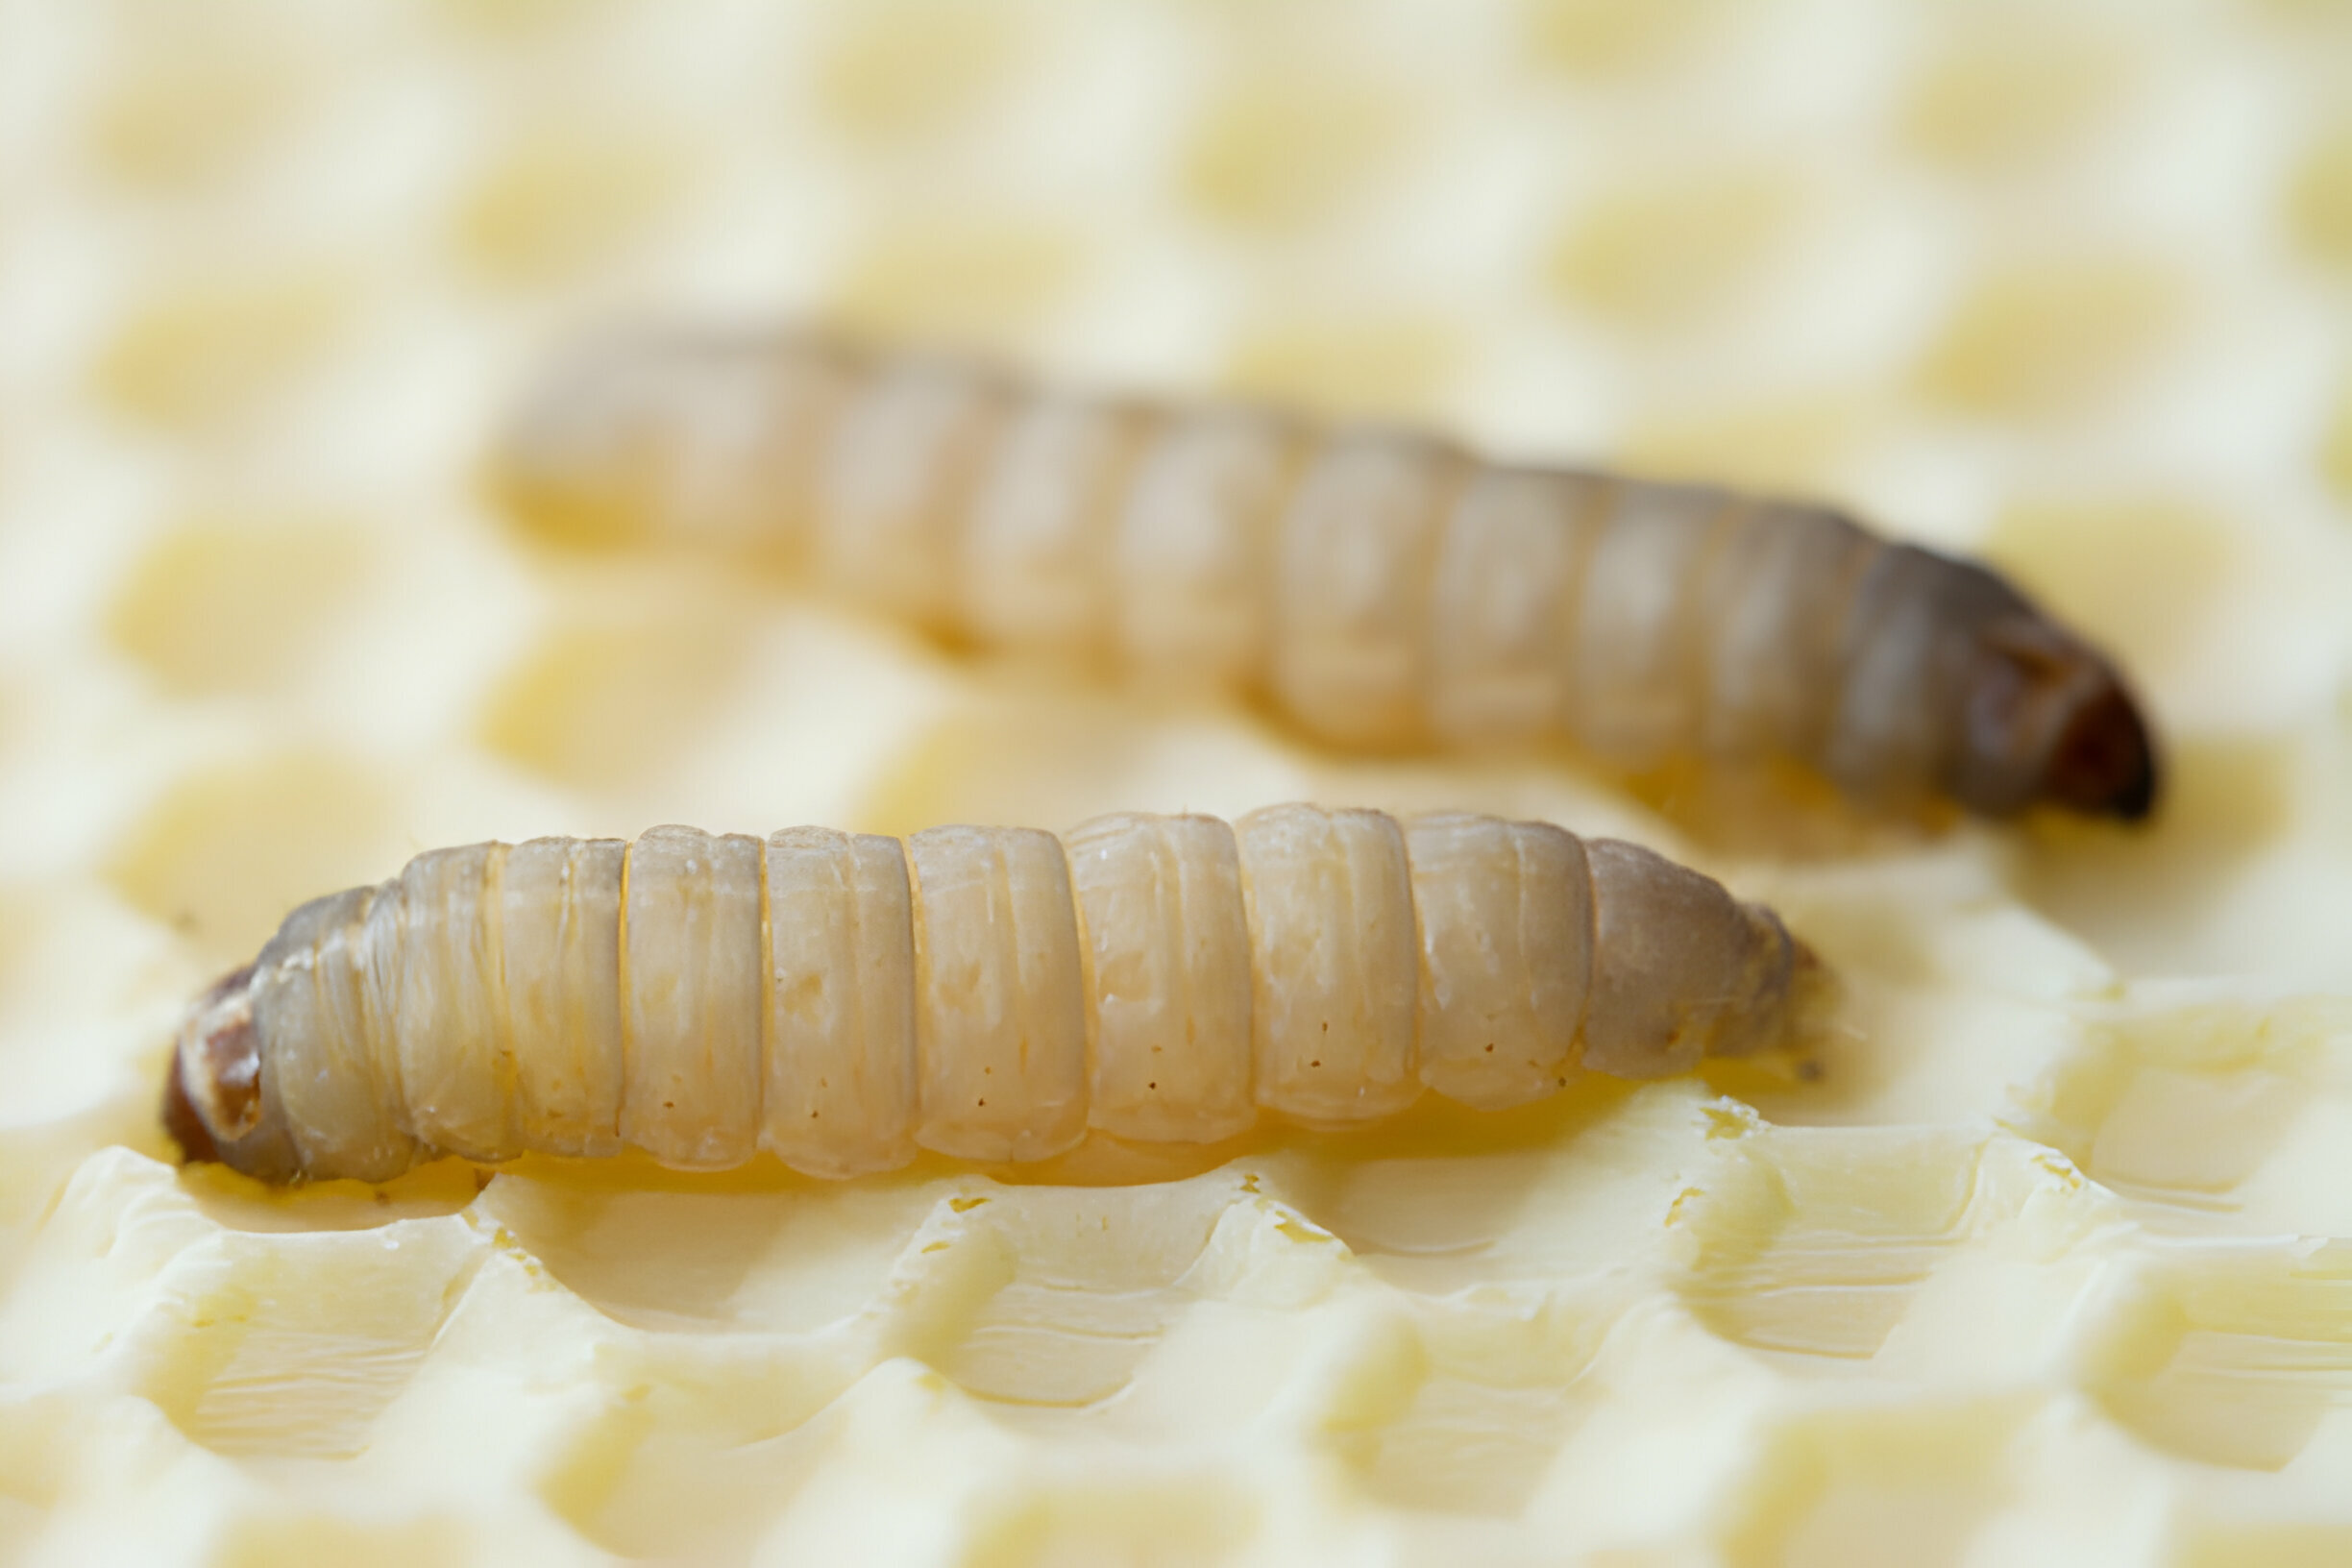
{"type": "Point", "coordinates": [1386, 591]}
{"type": "Point", "coordinates": [842, 1000]}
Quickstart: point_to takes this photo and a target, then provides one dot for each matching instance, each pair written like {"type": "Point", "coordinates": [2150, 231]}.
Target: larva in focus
{"type": "Point", "coordinates": [1384, 590]}
{"type": "Point", "coordinates": [841, 1000]}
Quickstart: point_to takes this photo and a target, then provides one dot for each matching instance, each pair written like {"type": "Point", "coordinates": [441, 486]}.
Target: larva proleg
{"type": "Point", "coordinates": [1380, 588]}
{"type": "Point", "coordinates": [989, 994]}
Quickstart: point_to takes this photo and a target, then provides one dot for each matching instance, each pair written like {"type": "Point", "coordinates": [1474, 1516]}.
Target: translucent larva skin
{"type": "Point", "coordinates": [1382, 589]}
{"type": "Point", "coordinates": [841, 1001]}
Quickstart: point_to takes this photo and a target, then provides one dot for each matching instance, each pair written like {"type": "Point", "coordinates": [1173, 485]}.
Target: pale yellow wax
{"type": "Point", "coordinates": [2051, 1263]}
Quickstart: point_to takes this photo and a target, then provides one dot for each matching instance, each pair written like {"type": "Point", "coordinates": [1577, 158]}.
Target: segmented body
{"type": "Point", "coordinates": [842, 1000]}
{"type": "Point", "coordinates": [1384, 589]}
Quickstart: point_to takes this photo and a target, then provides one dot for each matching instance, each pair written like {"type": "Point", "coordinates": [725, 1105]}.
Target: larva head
{"type": "Point", "coordinates": [213, 1096]}
{"type": "Point", "coordinates": [2048, 721]}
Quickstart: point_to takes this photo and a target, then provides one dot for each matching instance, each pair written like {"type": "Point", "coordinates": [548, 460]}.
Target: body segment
{"type": "Point", "coordinates": [1384, 590]}
{"type": "Point", "coordinates": [691, 1004]}
{"type": "Point", "coordinates": [838, 1097]}
{"type": "Point", "coordinates": [841, 1000]}
{"type": "Point", "coordinates": [999, 1021]}
{"type": "Point", "coordinates": [1168, 976]}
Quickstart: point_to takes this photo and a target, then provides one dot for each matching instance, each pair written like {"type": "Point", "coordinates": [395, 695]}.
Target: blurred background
{"type": "Point", "coordinates": [2067, 283]}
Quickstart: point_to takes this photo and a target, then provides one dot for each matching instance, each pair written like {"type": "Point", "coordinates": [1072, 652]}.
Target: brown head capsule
{"type": "Point", "coordinates": [2050, 722]}
{"type": "Point", "coordinates": [212, 1095]}
{"type": "Point", "coordinates": [1953, 682]}
{"type": "Point", "coordinates": [1380, 587]}
{"type": "Point", "coordinates": [842, 1000]}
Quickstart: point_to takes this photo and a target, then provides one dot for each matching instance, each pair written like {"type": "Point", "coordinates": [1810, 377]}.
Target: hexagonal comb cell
{"type": "Point", "coordinates": [2013, 95]}
{"type": "Point", "coordinates": [2231, 1357]}
{"type": "Point", "coordinates": [306, 1340]}
{"type": "Point", "coordinates": [1497, 1398]}
{"type": "Point", "coordinates": [2183, 560]}
{"type": "Point", "coordinates": [894, 72]}
{"type": "Point", "coordinates": [608, 701]}
{"type": "Point", "coordinates": [2335, 447]}
{"type": "Point", "coordinates": [1791, 444]}
{"type": "Point", "coordinates": [1379, 363]}
{"type": "Point", "coordinates": [959, 279]}
{"type": "Point", "coordinates": [225, 853]}
{"type": "Point", "coordinates": [1284, 149]}
{"type": "Point", "coordinates": [1655, 255]}
{"type": "Point", "coordinates": [205, 353]}
{"type": "Point", "coordinates": [225, 608]}
{"type": "Point", "coordinates": [1594, 39]}
{"type": "Point", "coordinates": [560, 199]}
{"type": "Point", "coordinates": [2046, 340]}
{"type": "Point", "coordinates": [1837, 1485]}
{"type": "Point", "coordinates": [1815, 1241]}
{"type": "Point", "coordinates": [170, 117]}
{"type": "Point", "coordinates": [2212, 1116]}
{"type": "Point", "coordinates": [2319, 200]}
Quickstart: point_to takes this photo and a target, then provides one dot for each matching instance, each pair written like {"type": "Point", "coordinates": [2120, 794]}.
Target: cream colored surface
{"type": "Point", "coordinates": [2053, 1265]}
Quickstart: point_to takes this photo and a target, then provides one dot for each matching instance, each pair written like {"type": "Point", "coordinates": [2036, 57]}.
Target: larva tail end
{"type": "Point", "coordinates": [213, 1094]}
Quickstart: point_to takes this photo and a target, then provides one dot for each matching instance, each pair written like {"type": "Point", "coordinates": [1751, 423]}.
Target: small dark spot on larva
{"type": "Point", "coordinates": [1153, 1085]}
{"type": "Point", "coordinates": [1811, 1071]}
{"type": "Point", "coordinates": [1316, 1063]}
{"type": "Point", "coordinates": [1490, 1047]}
{"type": "Point", "coordinates": [1562, 1082]}
{"type": "Point", "coordinates": [668, 1104]}
{"type": "Point", "coordinates": [1327, 1027]}
{"type": "Point", "coordinates": [984, 1102]}
{"type": "Point", "coordinates": [985, 1071]}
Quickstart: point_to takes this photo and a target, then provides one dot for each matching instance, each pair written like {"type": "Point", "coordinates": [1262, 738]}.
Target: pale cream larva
{"type": "Point", "coordinates": [1382, 588]}
{"type": "Point", "coordinates": [841, 1001]}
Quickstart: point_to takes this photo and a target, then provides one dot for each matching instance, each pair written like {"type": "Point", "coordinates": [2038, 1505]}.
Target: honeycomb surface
{"type": "Point", "coordinates": [2052, 1265]}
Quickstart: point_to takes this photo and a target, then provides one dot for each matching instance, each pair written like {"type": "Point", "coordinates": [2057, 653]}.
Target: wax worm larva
{"type": "Point", "coordinates": [841, 1000]}
{"type": "Point", "coordinates": [1384, 589]}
